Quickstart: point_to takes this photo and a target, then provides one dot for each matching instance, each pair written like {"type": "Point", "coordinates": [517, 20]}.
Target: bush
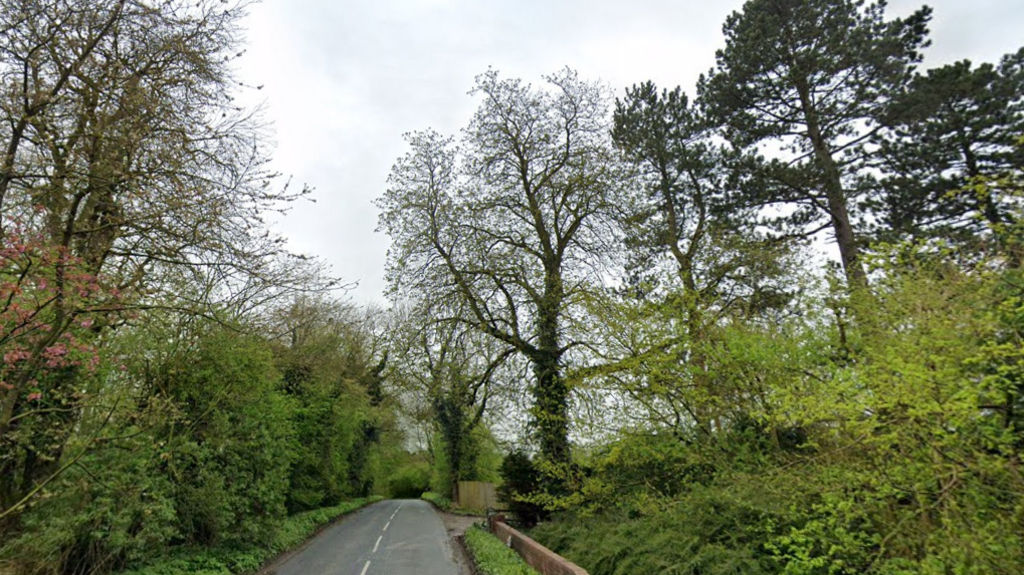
{"type": "Point", "coordinates": [520, 480]}
{"type": "Point", "coordinates": [204, 462]}
{"type": "Point", "coordinates": [492, 557]}
{"type": "Point", "coordinates": [437, 499]}
{"type": "Point", "coordinates": [710, 531]}
{"type": "Point", "coordinates": [234, 559]}
{"type": "Point", "coordinates": [232, 469]}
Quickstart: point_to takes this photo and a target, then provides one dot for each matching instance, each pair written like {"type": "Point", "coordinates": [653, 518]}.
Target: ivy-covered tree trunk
{"type": "Point", "coordinates": [512, 225]}
{"type": "Point", "coordinates": [551, 394]}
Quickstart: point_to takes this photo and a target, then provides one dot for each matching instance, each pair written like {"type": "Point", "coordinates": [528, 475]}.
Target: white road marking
{"type": "Point", "coordinates": [377, 544]}
{"type": "Point", "coordinates": [365, 567]}
{"type": "Point", "coordinates": [386, 526]}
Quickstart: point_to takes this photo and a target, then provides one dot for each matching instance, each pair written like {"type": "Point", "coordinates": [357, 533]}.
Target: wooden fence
{"type": "Point", "coordinates": [477, 495]}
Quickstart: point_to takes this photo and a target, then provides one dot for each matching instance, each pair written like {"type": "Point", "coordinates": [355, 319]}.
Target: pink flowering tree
{"type": "Point", "coordinates": [51, 309]}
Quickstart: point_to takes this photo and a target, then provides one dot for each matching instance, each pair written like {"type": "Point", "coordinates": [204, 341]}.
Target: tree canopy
{"type": "Point", "coordinates": [512, 223]}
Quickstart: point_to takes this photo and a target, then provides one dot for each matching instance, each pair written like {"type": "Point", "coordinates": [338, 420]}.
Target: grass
{"type": "Point", "coordinates": [445, 504]}
{"type": "Point", "coordinates": [440, 501]}
{"type": "Point", "coordinates": [492, 557]}
{"type": "Point", "coordinates": [233, 561]}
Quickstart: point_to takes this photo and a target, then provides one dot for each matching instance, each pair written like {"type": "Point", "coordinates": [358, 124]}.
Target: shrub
{"type": "Point", "coordinates": [227, 560]}
{"type": "Point", "coordinates": [521, 479]}
{"type": "Point", "coordinates": [492, 557]}
{"type": "Point", "coordinates": [437, 499]}
{"type": "Point", "coordinates": [710, 531]}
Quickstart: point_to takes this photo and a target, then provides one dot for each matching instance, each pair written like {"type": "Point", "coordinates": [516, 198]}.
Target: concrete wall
{"type": "Point", "coordinates": [541, 558]}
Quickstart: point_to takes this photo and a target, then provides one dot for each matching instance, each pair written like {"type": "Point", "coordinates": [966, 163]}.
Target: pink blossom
{"type": "Point", "coordinates": [35, 395]}
{"type": "Point", "coordinates": [57, 350]}
{"type": "Point", "coordinates": [16, 355]}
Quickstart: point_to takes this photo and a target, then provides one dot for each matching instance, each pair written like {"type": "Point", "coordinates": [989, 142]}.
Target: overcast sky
{"type": "Point", "coordinates": [343, 80]}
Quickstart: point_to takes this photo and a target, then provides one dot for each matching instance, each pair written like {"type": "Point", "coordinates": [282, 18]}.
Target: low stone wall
{"type": "Point", "coordinates": [536, 555]}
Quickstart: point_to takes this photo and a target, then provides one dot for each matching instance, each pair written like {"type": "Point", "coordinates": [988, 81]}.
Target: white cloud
{"type": "Point", "coordinates": [344, 80]}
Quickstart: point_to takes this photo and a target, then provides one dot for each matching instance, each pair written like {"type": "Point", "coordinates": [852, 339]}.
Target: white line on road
{"type": "Point", "coordinates": [386, 526]}
{"type": "Point", "coordinates": [365, 567]}
{"type": "Point", "coordinates": [377, 544]}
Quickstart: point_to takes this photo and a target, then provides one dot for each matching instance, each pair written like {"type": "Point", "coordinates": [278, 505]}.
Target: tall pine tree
{"type": "Point", "coordinates": [954, 125]}
{"type": "Point", "coordinates": [810, 77]}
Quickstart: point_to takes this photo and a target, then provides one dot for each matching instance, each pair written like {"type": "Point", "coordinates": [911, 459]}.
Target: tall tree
{"type": "Point", "coordinates": [451, 369]}
{"type": "Point", "coordinates": [686, 209]}
{"type": "Point", "coordinates": [953, 125]}
{"type": "Point", "coordinates": [811, 76]}
{"type": "Point", "coordinates": [515, 224]}
{"type": "Point", "coordinates": [720, 265]}
{"type": "Point", "coordinates": [127, 167]}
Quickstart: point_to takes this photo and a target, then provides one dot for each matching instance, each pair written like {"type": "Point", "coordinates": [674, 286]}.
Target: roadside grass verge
{"type": "Point", "coordinates": [492, 557]}
{"type": "Point", "coordinates": [447, 505]}
{"type": "Point", "coordinates": [440, 501]}
{"type": "Point", "coordinates": [234, 561]}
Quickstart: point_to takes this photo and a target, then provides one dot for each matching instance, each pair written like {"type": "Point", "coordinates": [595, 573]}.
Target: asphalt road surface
{"type": "Point", "coordinates": [396, 537]}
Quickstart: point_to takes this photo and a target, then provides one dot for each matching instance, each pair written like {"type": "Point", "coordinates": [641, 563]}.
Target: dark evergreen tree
{"type": "Point", "coordinates": [686, 209]}
{"type": "Point", "coordinates": [811, 76]}
{"type": "Point", "coordinates": [953, 125]}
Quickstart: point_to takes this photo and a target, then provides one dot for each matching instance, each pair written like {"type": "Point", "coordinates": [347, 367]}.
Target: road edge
{"type": "Point", "coordinates": [271, 564]}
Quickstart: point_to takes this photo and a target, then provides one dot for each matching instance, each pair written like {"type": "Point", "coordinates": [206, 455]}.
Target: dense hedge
{"type": "Point", "coordinates": [230, 560]}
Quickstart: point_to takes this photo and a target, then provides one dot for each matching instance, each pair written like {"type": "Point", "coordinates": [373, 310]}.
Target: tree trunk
{"type": "Point", "coordinates": [849, 252]}
{"type": "Point", "coordinates": [551, 392]}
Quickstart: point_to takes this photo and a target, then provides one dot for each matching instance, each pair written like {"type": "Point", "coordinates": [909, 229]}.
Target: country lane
{"type": "Point", "coordinates": [394, 537]}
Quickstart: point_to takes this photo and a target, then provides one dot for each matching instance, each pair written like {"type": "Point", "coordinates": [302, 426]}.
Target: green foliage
{"type": "Point", "coordinates": [328, 422]}
{"type": "Point", "coordinates": [231, 465]}
{"type": "Point", "coordinates": [954, 124]}
{"type": "Point", "coordinates": [642, 471]}
{"type": "Point", "coordinates": [330, 373]}
{"type": "Point", "coordinates": [201, 459]}
{"type": "Point", "coordinates": [227, 560]}
{"type": "Point", "coordinates": [437, 499]}
{"type": "Point", "coordinates": [886, 446]}
{"type": "Point", "coordinates": [510, 271]}
{"type": "Point", "coordinates": [492, 557]}
{"type": "Point", "coordinates": [708, 531]}
{"type": "Point", "coordinates": [483, 465]}
{"type": "Point", "coordinates": [520, 481]}
{"type": "Point", "coordinates": [811, 76]}
{"type": "Point", "coordinates": [489, 457]}
{"type": "Point", "coordinates": [409, 481]}
{"type": "Point", "coordinates": [204, 462]}
{"type": "Point", "coordinates": [115, 508]}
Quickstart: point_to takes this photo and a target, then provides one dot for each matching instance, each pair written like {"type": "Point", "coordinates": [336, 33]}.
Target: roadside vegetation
{"type": "Point", "coordinates": [440, 501]}
{"type": "Point", "coordinates": [227, 560]}
{"type": "Point", "coordinates": [174, 386]}
{"type": "Point", "coordinates": [651, 265]}
{"type": "Point", "coordinates": [492, 557]}
{"type": "Point", "coordinates": [617, 308]}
